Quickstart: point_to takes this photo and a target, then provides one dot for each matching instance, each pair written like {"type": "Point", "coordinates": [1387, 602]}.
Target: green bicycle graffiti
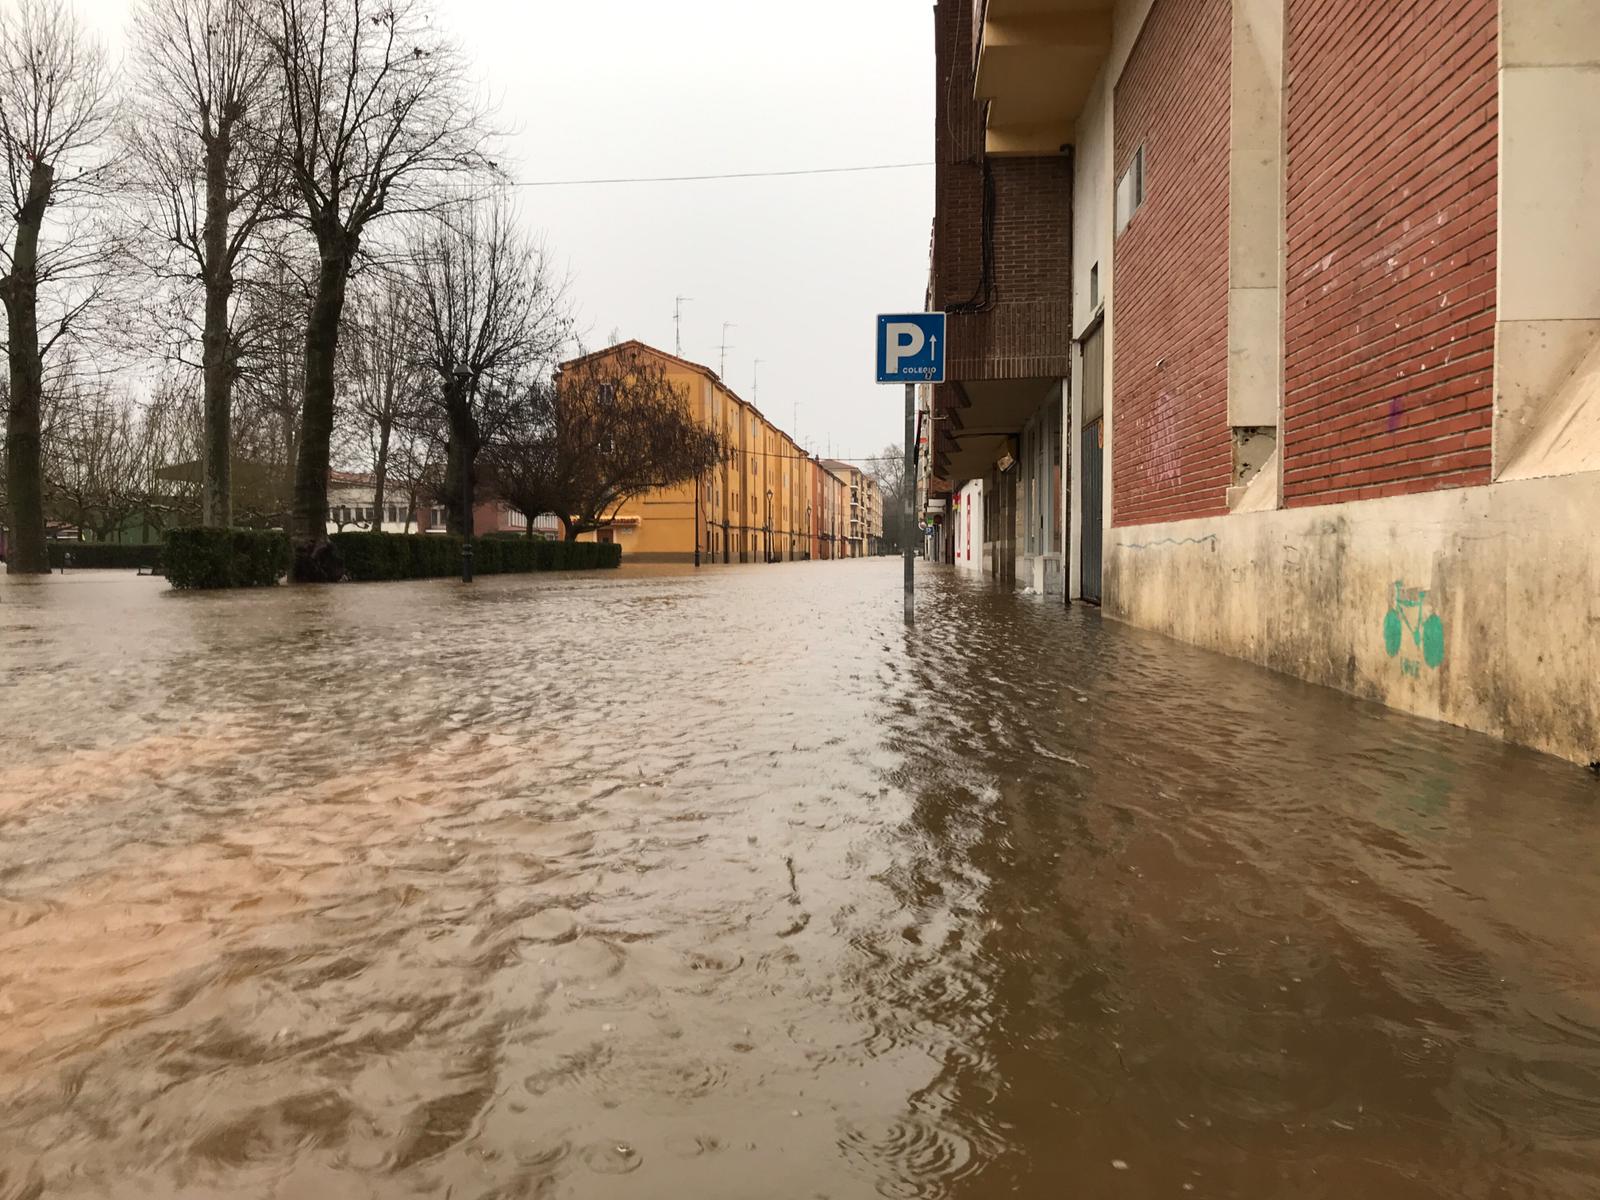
{"type": "Point", "coordinates": [1406, 619]}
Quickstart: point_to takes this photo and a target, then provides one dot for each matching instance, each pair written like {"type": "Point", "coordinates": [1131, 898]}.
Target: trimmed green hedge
{"type": "Point", "coordinates": [89, 556]}
{"type": "Point", "coordinates": [198, 557]}
{"type": "Point", "coordinates": [373, 556]}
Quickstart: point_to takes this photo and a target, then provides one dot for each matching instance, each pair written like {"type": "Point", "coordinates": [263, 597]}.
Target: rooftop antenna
{"type": "Point", "coordinates": [677, 324]}
{"type": "Point", "coordinates": [722, 362]}
{"type": "Point", "coordinates": [755, 381]}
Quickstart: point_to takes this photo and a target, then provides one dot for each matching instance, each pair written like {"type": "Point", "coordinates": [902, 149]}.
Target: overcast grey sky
{"type": "Point", "coordinates": [606, 88]}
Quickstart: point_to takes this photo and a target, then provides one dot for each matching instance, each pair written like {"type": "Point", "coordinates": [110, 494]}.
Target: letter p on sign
{"type": "Point", "coordinates": [905, 341]}
{"type": "Point", "coordinates": [911, 348]}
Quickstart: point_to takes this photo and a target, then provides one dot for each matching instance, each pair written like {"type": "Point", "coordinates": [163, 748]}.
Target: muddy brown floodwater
{"type": "Point", "coordinates": [655, 884]}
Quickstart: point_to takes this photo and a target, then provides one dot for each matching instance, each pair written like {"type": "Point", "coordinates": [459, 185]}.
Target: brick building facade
{"type": "Point", "coordinates": [1318, 283]}
{"type": "Point", "coordinates": [1390, 123]}
{"type": "Point", "coordinates": [1002, 240]}
{"type": "Point", "coordinates": [1171, 354]}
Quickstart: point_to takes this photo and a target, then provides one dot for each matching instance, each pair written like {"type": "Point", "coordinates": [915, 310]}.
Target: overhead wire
{"type": "Point", "coordinates": [901, 166]}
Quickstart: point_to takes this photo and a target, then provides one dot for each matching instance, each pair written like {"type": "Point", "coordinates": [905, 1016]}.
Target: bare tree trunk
{"type": "Point", "coordinates": [315, 560]}
{"type": "Point", "coordinates": [462, 457]}
{"type": "Point", "coordinates": [27, 554]}
{"type": "Point", "coordinates": [380, 472]}
{"type": "Point", "coordinates": [216, 475]}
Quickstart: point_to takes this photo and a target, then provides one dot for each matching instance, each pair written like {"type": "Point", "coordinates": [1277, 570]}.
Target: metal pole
{"type": "Point", "coordinates": [697, 520]}
{"type": "Point", "coordinates": [908, 520]}
{"type": "Point", "coordinates": [467, 522]}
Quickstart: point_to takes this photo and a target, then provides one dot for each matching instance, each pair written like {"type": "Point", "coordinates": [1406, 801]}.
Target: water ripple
{"type": "Point", "coordinates": [728, 884]}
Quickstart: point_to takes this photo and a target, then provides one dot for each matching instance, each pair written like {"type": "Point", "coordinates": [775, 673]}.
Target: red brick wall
{"type": "Point", "coordinates": [1019, 326]}
{"type": "Point", "coordinates": [958, 154]}
{"type": "Point", "coordinates": [1172, 452]}
{"type": "Point", "coordinates": [1390, 217]}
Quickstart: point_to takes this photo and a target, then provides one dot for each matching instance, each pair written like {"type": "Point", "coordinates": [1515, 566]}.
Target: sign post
{"type": "Point", "coordinates": [911, 351]}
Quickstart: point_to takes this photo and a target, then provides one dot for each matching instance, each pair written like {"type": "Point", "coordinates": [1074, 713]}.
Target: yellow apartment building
{"type": "Point", "coordinates": [861, 510]}
{"type": "Point", "coordinates": [758, 505]}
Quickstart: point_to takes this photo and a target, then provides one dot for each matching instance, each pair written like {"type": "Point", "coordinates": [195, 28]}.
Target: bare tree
{"type": "Point", "coordinates": [109, 459]}
{"type": "Point", "coordinates": [92, 467]}
{"type": "Point", "coordinates": [375, 114]}
{"type": "Point", "coordinates": [416, 454]}
{"type": "Point", "coordinates": [384, 381]}
{"type": "Point", "coordinates": [611, 427]}
{"type": "Point", "coordinates": [168, 438]}
{"type": "Point", "coordinates": [491, 318]}
{"type": "Point", "coordinates": [55, 112]}
{"type": "Point", "coordinates": [524, 463]}
{"type": "Point", "coordinates": [888, 468]}
{"type": "Point", "coordinates": [269, 341]}
{"type": "Point", "coordinates": [205, 138]}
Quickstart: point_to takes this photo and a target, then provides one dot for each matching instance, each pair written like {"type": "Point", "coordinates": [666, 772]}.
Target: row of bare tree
{"type": "Point", "coordinates": [287, 214]}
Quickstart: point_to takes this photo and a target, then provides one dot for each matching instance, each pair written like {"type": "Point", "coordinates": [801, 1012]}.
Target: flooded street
{"type": "Point", "coordinates": [656, 884]}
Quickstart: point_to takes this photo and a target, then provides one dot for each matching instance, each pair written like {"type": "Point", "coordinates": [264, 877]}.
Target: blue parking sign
{"type": "Point", "coordinates": [911, 348]}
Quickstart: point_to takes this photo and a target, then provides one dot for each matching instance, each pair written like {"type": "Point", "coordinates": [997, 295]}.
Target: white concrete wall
{"type": "Point", "coordinates": [969, 528]}
{"type": "Point", "coordinates": [1547, 369]}
{"type": "Point", "coordinates": [1091, 203]}
{"type": "Point", "coordinates": [1255, 232]}
{"type": "Point", "coordinates": [1093, 184]}
{"type": "Point", "coordinates": [1512, 572]}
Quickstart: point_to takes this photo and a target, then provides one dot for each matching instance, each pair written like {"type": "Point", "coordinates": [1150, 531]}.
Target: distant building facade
{"type": "Point", "coordinates": [768, 501]}
{"type": "Point", "coordinates": [352, 504]}
{"type": "Point", "coordinates": [862, 504]}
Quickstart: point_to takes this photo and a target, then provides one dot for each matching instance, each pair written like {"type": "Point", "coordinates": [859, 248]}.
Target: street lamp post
{"type": "Point", "coordinates": [464, 381]}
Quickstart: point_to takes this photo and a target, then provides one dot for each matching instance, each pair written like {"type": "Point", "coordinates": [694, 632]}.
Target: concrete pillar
{"type": "Point", "coordinates": [1255, 242]}
{"type": "Point", "coordinates": [1547, 334]}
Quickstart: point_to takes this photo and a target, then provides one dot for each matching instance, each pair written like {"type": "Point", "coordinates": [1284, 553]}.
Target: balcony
{"type": "Point", "coordinates": [1035, 64]}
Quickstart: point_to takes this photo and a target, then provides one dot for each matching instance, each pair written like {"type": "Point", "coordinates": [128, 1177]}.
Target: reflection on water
{"type": "Point", "coordinates": [720, 886]}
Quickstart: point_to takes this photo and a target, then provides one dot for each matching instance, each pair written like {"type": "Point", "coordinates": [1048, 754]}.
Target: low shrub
{"type": "Point", "coordinates": [372, 556]}
{"type": "Point", "coordinates": [90, 556]}
{"type": "Point", "coordinates": [200, 557]}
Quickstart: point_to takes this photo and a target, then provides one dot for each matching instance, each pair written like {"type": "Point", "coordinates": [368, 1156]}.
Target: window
{"type": "Point", "coordinates": [1130, 190]}
{"type": "Point", "coordinates": [1094, 286]}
